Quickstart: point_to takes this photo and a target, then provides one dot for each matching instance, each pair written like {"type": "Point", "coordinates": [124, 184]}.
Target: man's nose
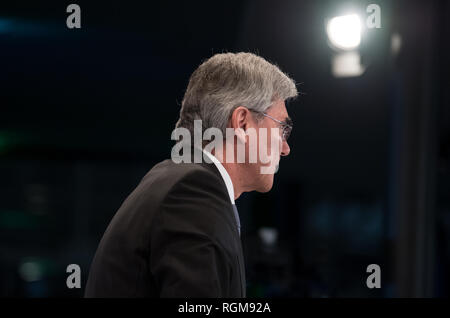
{"type": "Point", "coordinates": [285, 149]}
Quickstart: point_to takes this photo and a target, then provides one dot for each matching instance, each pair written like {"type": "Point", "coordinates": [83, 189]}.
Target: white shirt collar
{"type": "Point", "coordinates": [223, 172]}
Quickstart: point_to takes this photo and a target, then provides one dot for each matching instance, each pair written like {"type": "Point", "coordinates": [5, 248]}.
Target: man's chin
{"type": "Point", "coordinates": [269, 169]}
{"type": "Point", "coordinates": [266, 185]}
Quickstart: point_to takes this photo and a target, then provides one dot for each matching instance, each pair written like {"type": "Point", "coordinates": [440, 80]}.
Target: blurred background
{"type": "Point", "coordinates": [85, 113]}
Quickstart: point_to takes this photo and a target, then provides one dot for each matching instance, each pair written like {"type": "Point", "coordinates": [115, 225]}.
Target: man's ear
{"type": "Point", "coordinates": [239, 121]}
{"type": "Point", "coordinates": [240, 118]}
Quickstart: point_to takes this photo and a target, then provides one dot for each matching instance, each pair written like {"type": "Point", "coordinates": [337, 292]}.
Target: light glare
{"type": "Point", "coordinates": [344, 32]}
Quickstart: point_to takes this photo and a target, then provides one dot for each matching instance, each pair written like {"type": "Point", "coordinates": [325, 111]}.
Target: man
{"type": "Point", "coordinates": [178, 233]}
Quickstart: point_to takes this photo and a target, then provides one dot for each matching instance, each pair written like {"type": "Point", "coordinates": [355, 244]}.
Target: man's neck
{"type": "Point", "coordinates": [235, 176]}
{"type": "Point", "coordinates": [234, 171]}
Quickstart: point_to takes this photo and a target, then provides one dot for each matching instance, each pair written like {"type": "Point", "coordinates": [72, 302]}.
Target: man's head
{"type": "Point", "coordinates": [272, 128]}
{"type": "Point", "coordinates": [242, 91]}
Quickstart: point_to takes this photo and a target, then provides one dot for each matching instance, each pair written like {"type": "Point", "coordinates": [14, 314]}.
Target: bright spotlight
{"type": "Point", "coordinates": [344, 31]}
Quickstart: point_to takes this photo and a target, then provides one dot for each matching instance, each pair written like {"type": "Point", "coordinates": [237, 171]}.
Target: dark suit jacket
{"type": "Point", "coordinates": [174, 236]}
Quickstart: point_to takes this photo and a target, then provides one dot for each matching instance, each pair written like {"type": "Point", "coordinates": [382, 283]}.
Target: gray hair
{"type": "Point", "coordinates": [228, 80]}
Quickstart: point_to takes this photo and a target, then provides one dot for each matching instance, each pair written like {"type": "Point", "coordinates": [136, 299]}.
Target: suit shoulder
{"type": "Point", "coordinates": [171, 176]}
{"type": "Point", "coordinates": [197, 203]}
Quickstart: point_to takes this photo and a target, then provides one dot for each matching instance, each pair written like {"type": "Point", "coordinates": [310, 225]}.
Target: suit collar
{"type": "Point", "coordinates": [224, 174]}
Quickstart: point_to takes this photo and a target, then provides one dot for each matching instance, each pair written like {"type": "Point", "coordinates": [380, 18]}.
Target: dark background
{"type": "Point", "coordinates": [85, 113]}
